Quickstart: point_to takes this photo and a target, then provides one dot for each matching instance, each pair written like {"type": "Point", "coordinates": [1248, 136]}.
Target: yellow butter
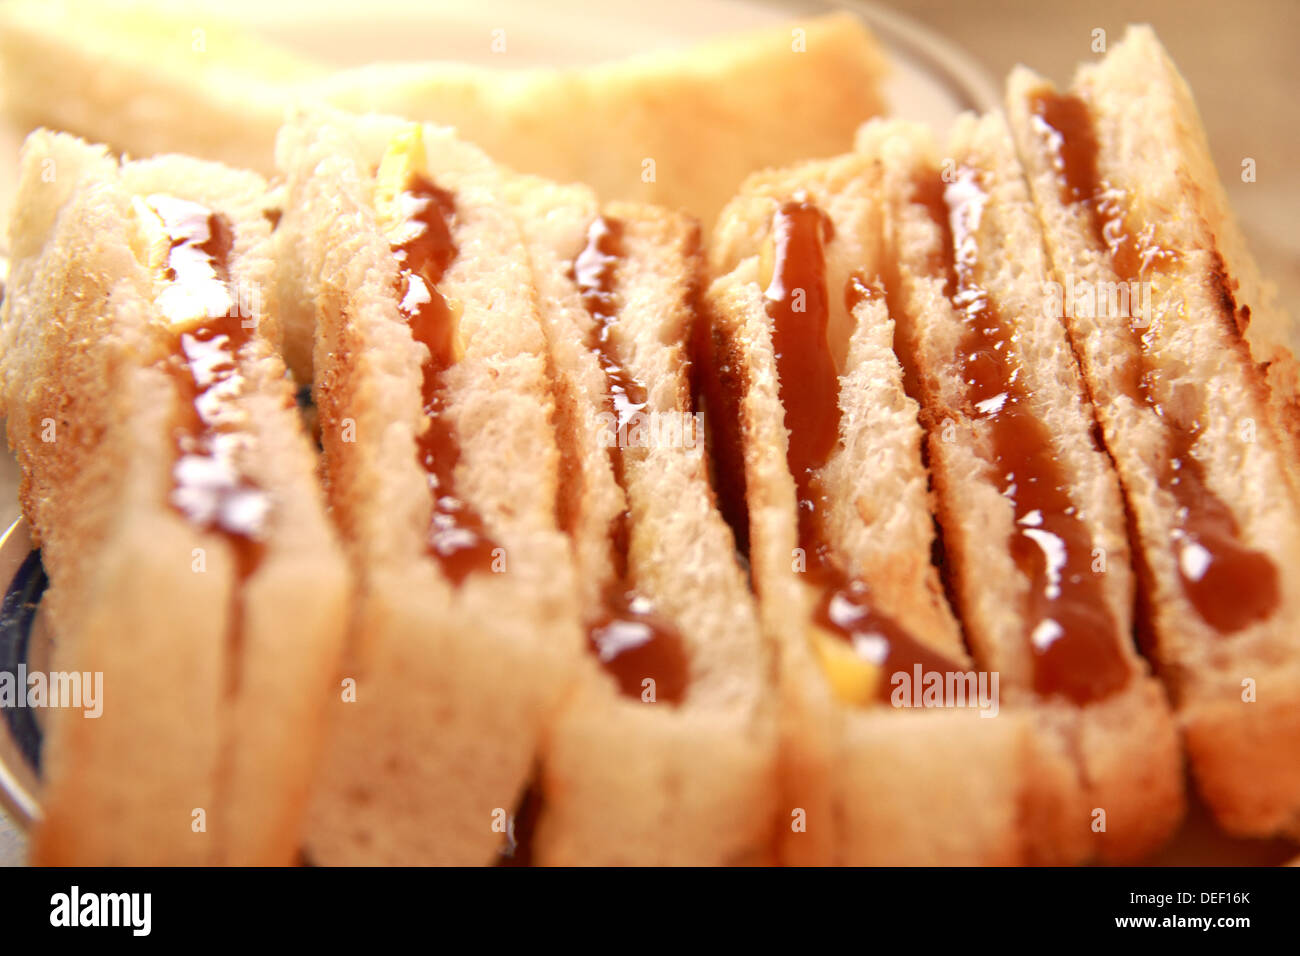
{"type": "Point", "coordinates": [404, 158]}
{"type": "Point", "coordinates": [853, 679]}
{"type": "Point", "coordinates": [149, 239]}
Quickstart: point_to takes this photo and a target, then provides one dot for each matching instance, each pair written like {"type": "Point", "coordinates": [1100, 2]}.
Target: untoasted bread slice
{"type": "Point", "coordinates": [148, 79]}
{"type": "Point", "coordinates": [1192, 404]}
{"type": "Point", "coordinates": [681, 129]}
{"type": "Point", "coordinates": [452, 682]}
{"type": "Point", "coordinates": [214, 674]}
{"type": "Point", "coordinates": [862, 782]}
{"type": "Point", "coordinates": [1041, 574]}
{"type": "Point", "coordinates": [629, 777]}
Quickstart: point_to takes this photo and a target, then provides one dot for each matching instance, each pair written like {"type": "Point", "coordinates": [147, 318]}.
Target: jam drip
{"type": "Point", "coordinates": [1230, 585]}
{"type": "Point", "coordinates": [209, 487]}
{"type": "Point", "coordinates": [1076, 644]}
{"type": "Point", "coordinates": [797, 302]}
{"type": "Point", "coordinates": [631, 639]}
{"type": "Point", "coordinates": [719, 387]}
{"type": "Point", "coordinates": [457, 536]}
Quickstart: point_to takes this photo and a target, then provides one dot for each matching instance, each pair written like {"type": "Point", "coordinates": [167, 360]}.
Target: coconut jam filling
{"type": "Point", "coordinates": [632, 640]}
{"type": "Point", "coordinates": [190, 245]}
{"type": "Point", "coordinates": [1075, 640]}
{"type": "Point", "coordinates": [1230, 585]}
{"type": "Point", "coordinates": [858, 644]}
{"type": "Point", "coordinates": [416, 216]}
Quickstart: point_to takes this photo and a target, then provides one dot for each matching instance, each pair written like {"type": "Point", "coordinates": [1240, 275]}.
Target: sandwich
{"type": "Point", "coordinates": [820, 451]}
{"type": "Point", "coordinates": [664, 752]}
{"type": "Point", "coordinates": [171, 489]}
{"type": "Point", "coordinates": [1033, 523]}
{"type": "Point", "coordinates": [1194, 388]}
{"type": "Point", "coordinates": [442, 470]}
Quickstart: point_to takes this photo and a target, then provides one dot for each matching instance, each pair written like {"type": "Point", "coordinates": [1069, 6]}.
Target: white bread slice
{"type": "Point", "coordinates": [679, 128]}
{"type": "Point", "coordinates": [1118, 751]}
{"type": "Point", "coordinates": [214, 689]}
{"type": "Point", "coordinates": [148, 78]}
{"type": "Point", "coordinates": [1237, 695]}
{"type": "Point", "coordinates": [452, 684]}
{"type": "Point", "coordinates": [860, 784]}
{"type": "Point", "coordinates": [624, 780]}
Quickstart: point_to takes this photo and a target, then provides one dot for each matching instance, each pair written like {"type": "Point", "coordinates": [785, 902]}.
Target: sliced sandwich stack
{"type": "Point", "coordinates": [442, 471]}
{"type": "Point", "coordinates": [500, 370]}
{"type": "Point", "coordinates": [937, 513]}
{"type": "Point", "coordinates": [809, 410]}
{"type": "Point", "coordinates": [1033, 522]}
{"type": "Point", "coordinates": [171, 488]}
{"type": "Point", "coordinates": [1195, 391]}
{"type": "Point", "coordinates": [1108, 400]}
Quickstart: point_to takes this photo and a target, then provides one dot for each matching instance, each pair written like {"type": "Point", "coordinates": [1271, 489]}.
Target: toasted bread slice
{"type": "Point", "coordinates": [216, 635]}
{"type": "Point", "coordinates": [863, 782]}
{"type": "Point", "coordinates": [636, 771]}
{"type": "Point", "coordinates": [1192, 403]}
{"type": "Point", "coordinates": [454, 671]}
{"type": "Point", "coordinates": [1032, 516]}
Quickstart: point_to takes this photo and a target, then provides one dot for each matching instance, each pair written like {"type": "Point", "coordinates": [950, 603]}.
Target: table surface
{"type": "Point", "coordinates": [1239, 59]}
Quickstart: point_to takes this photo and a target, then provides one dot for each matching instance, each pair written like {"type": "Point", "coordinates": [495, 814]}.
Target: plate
{"type": "Point", "coordinates": [20, 733]}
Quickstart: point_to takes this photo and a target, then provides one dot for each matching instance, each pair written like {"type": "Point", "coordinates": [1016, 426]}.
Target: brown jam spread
{"type": "Point", "coordinates": [1230, 585]}
{"type": "Point", "coordinates": [1067, 124]}
{"type": "Point", "coordinates": [719, 386]}
{"type": "Point", "coordinates": [1075, 639]}
{"type": "Point", "coordinates": [457, 536]}
{"type": "Point", "coordinates": [797, 303]}
{"type": "Point", "coordinates": [859, 289]}
{"type": "Point", "coordinates": [630, 638]}
{"type": "Point", "coordinates": [209, 487]}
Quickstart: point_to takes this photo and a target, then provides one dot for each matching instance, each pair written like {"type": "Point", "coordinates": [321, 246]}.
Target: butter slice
{"type": "Point", "coordinates": [149, 239]}
{"type": "Point", "coordinates": [406, 157]}
{"type": "Point", "coordinates": [853, 679]}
